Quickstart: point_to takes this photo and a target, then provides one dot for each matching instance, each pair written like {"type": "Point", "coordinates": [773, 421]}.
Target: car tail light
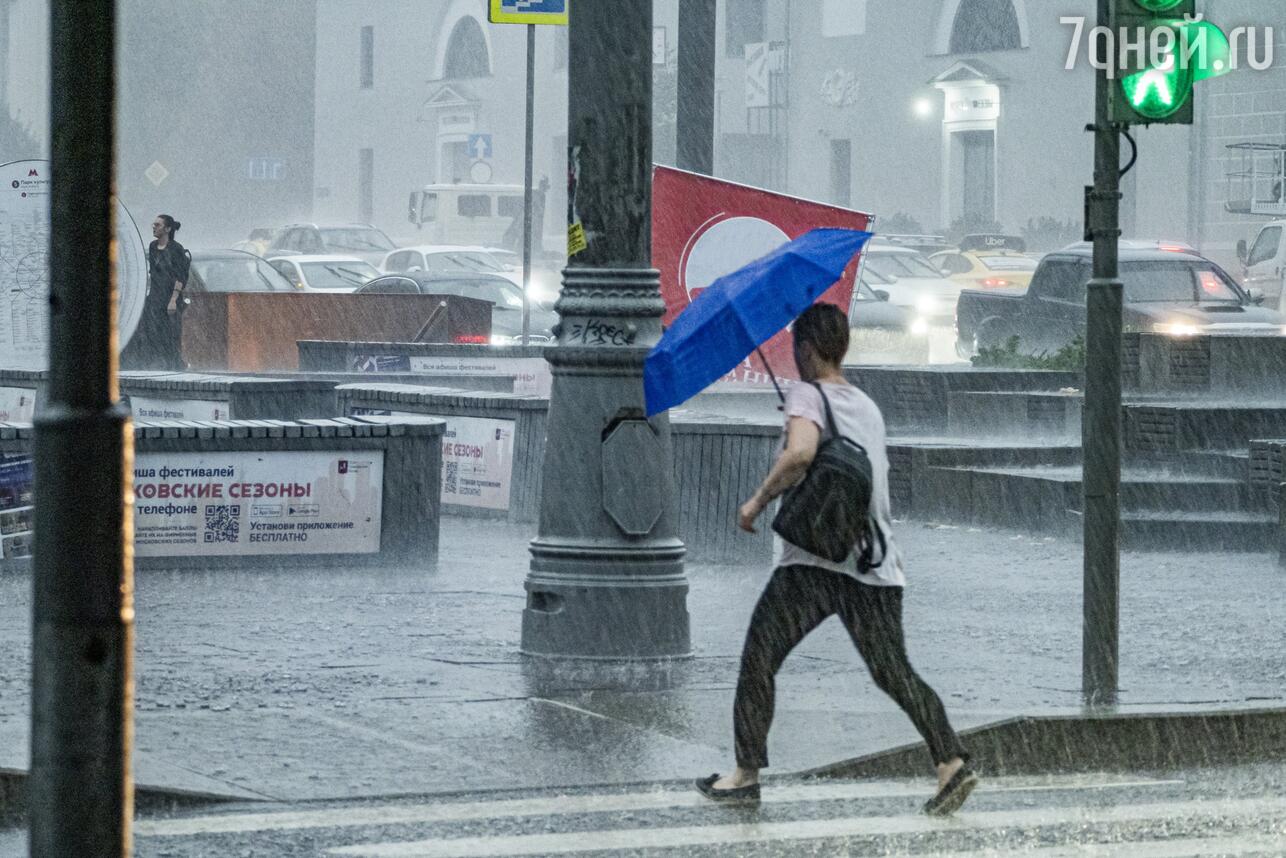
{"type": "Point", "coordinates": [995, 283]}
{"type": "Point", "coordinates": [471, 340]}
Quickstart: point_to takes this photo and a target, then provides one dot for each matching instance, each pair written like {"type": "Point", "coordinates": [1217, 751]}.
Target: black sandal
{"type": "Point", "coordinates": [953, 794]}
{"type": "Point", "coordinates": [740, 795]}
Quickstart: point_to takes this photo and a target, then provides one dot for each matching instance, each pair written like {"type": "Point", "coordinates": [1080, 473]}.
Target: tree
{"type": "Point", "coordinates": [17, 143]}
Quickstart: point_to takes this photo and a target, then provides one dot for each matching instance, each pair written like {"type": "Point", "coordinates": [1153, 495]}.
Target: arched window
{"type": "Point", "coordinates": [985, 25]}
{"type": "Point", "coordinates": [467, 52]}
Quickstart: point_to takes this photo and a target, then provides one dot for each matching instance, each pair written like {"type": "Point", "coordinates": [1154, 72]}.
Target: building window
{"type": "Point", "coordinates": [841, 172]}
{"type": "Point", "coordinates": [368, 57]}
{"type": "Point", "coordinates": [744, 25]}
{"type": "Point", "coordinates": [467, 52]}
{"type": "Point", "coordinates": [985, 25]}
{"type": "Point", "coordinates": [366, 185]}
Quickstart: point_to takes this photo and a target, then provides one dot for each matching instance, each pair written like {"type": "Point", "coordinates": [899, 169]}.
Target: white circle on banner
{"type": "Point", "coordinates": [726, 246]}
{"type": "Point", "coordinates": [24, 267]}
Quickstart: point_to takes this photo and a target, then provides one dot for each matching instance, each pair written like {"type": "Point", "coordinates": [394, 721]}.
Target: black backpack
{"type": "Point", "coordinates": [829, 512]}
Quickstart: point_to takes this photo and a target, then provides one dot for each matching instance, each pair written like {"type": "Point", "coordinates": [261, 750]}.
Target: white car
{"type": "Point", "coordinates": [318, 273]}
{"type": "Point", "coordinates": [449, 259]}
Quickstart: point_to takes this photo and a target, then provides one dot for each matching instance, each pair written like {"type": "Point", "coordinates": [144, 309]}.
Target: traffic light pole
{"type": "Point", "coordinates": [1101, 427]}
{"type": "Point", "coordinates": [695, 131]}
{"type": "Point", "coordinates": [80, 789]}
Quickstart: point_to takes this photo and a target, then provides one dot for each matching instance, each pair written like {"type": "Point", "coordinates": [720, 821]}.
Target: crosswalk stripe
{"type": "Point", "coordinates": [750, 832]}
{"type": "Point", "coordinates": [564, 805]}
{"type": "Point", "coordinates": [1227, 846]}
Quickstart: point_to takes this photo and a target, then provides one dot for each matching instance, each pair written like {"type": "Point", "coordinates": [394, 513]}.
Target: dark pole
{"type": "Point", "coordinates": [1101, 435]}
{"type": "Point", "coordinates": [81, 790]}
{"type": "Point", "coordinates": [695, 123]}
{"type": "Point", "coordinates": [606, 577]}
{"type": "Point", "coordinates": [527, 190]}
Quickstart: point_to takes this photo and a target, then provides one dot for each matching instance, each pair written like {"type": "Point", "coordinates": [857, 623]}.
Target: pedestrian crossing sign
{"type": "Point", "coordinates": [529, 12]}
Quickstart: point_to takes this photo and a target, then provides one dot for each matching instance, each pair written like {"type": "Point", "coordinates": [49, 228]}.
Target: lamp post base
{"type": "Point", "coordinates": [607, 602]}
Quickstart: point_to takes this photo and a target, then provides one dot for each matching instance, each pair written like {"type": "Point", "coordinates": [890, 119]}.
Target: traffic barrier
{"type": "Point", "coordinates": [256, 493]}
{"type": "Point", "coordinates": [189, 396]}
{"type": "Point", "coordinates": [719, 461]}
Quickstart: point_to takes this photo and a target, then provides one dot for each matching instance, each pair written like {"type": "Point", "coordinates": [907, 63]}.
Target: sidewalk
{"type": "Point", "coordinates": [339, 683]}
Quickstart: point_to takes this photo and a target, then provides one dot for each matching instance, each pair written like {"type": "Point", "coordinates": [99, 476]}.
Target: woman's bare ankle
{"type": "Point", "coordinates": [738, 778]}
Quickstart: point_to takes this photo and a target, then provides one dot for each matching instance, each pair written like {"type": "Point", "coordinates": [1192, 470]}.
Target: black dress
{"type": "Point", "coordinates": [157, 344]}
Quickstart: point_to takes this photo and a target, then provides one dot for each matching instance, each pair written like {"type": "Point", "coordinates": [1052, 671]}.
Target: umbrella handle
{"type": "Point", "coordinates": [772, 376]}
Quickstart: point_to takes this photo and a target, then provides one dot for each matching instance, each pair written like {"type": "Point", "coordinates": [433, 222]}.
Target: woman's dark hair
{"type": "Point", "coordinates": [170, 223]}
{"type": "Point", "coordinates": [825, 328]}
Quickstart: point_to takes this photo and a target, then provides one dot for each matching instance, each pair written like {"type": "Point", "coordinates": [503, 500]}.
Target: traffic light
{"type": "Point", "coordinates": [1156, 86]}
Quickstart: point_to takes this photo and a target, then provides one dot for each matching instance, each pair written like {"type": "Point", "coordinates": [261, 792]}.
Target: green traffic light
{"type": "Point", "coordinates": [1158, 92]}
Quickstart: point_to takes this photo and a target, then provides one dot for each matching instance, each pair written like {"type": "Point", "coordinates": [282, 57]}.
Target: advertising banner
{"type": "Point", "coordinates": [219, 504]}
{"type": "Point", "coordinates": [530, 375]}
{"type": "Point", "coordinates": [17, 404]}
{"type": "Point", "coordinates": [477, 457]}
{"type": "Point", "coordinates": [704, 228]}
{"type": "Point", "coordinates": [145, 408]}
{"type": "Point", "coordinates": [24, 266]}
{"type": "Point", "coordinates": [477, 462]}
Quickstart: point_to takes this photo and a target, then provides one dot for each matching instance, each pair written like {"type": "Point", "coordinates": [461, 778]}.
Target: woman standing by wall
{"type": "Point", "coordinates": [160, 329]}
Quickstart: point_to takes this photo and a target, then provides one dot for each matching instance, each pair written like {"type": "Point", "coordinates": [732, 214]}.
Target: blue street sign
{"type": "Point", "coordinates": [479, 146]}
{"type": "Point", "coordinates": [529, 12]}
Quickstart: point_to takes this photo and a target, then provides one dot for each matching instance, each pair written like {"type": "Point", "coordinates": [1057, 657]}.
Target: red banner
{"type": "Point", "coordinates": [704, 228]}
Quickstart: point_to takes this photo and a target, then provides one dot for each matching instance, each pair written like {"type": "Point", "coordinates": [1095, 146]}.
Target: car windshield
{"type": "Point", "coordinates": [463, 260]}
{"type": "Point", "coordinates": [1008, 263]}
{"type": "Point", "coordinates": [337, 275]}
{"type": "Point", "coordinates": [1177, 282]}
{"type": "Point", "coordinates": [357, 238]}
{"type": "Point", "coordinates": [901, 265]}
{"type": "Point", "coordinates": [239, 274]}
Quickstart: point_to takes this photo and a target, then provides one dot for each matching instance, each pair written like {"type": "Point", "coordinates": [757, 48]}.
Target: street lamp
{"type": "Point", "coordinates": [606, 578]}
{"type": "Point", "coordinates": [923, 108]}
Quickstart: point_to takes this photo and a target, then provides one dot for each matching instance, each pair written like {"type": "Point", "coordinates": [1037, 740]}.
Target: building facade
{"type": "Point", "coordinates": [410, 93]}
{"type": "Point", "coordinates": [951, 112]}
{"type": "Point", "coordinates": [214, 109]}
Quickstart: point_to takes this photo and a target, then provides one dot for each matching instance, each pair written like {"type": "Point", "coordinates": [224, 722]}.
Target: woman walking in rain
{"type": "Point", "coordinates": [865, 591]}
{"type": "Point", "coordinates": [160, 329]}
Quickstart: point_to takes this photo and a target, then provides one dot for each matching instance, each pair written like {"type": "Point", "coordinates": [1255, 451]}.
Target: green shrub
{"type": "Point", "coordinates": [1070, 358]}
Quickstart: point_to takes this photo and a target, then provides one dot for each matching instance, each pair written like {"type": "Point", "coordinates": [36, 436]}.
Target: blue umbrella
{"type": "Point", "coordinates": [741, 311]}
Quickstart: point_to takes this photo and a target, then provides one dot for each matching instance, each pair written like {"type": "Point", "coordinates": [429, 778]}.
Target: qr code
{"type": "Point", "coordinates": [451, 478]}
{"type": "Point", "coordinates": [222, 523]}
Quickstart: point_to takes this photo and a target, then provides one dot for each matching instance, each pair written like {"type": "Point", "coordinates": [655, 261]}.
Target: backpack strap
{"type": "Point", "coordinates": [830, 416]}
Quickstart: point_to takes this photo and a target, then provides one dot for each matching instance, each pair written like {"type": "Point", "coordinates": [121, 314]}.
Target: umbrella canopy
{"type": "Point", "coordinates": [741, 311]}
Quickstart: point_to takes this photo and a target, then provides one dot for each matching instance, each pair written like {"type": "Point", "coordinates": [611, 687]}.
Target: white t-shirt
{"type": "Point", "coordinates": [858, 418]}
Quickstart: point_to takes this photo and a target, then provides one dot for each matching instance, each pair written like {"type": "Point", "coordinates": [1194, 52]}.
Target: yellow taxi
{"type": "Point", "coordinates": [988, 262]}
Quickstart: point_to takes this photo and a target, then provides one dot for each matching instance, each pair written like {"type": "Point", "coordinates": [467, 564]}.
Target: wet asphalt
{"type": "Point", "coordinates": [337, 684]}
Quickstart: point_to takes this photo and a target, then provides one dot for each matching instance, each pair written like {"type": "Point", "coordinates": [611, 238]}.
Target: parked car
{"type": "Point", "coordinates": [234, 271]}
{"type": "Point", "coordinates": [354, 239]}
{"type": "Point", "coordinates": [455, 259]}
{"type": "Point", "coordinates": [506, 315]}
{"type": "Point", "coordinates": [324, 273]}
{"type": "Point", "coordinates": [1176, 292]}
{"type": "Point", "coordinates": [881, 332]}
{"type": "Point", "coordinates": [987, 262]}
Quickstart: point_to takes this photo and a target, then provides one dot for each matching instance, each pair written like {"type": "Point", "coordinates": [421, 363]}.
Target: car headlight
{"type": "Point", "coordinates": [927, 306]}
{"type": "Point", "coordinates": [1177, 329]}
{"type": "Point", "coordinates": [920, 326]}
{"type": "Point", "coordinates": [503, 339]}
